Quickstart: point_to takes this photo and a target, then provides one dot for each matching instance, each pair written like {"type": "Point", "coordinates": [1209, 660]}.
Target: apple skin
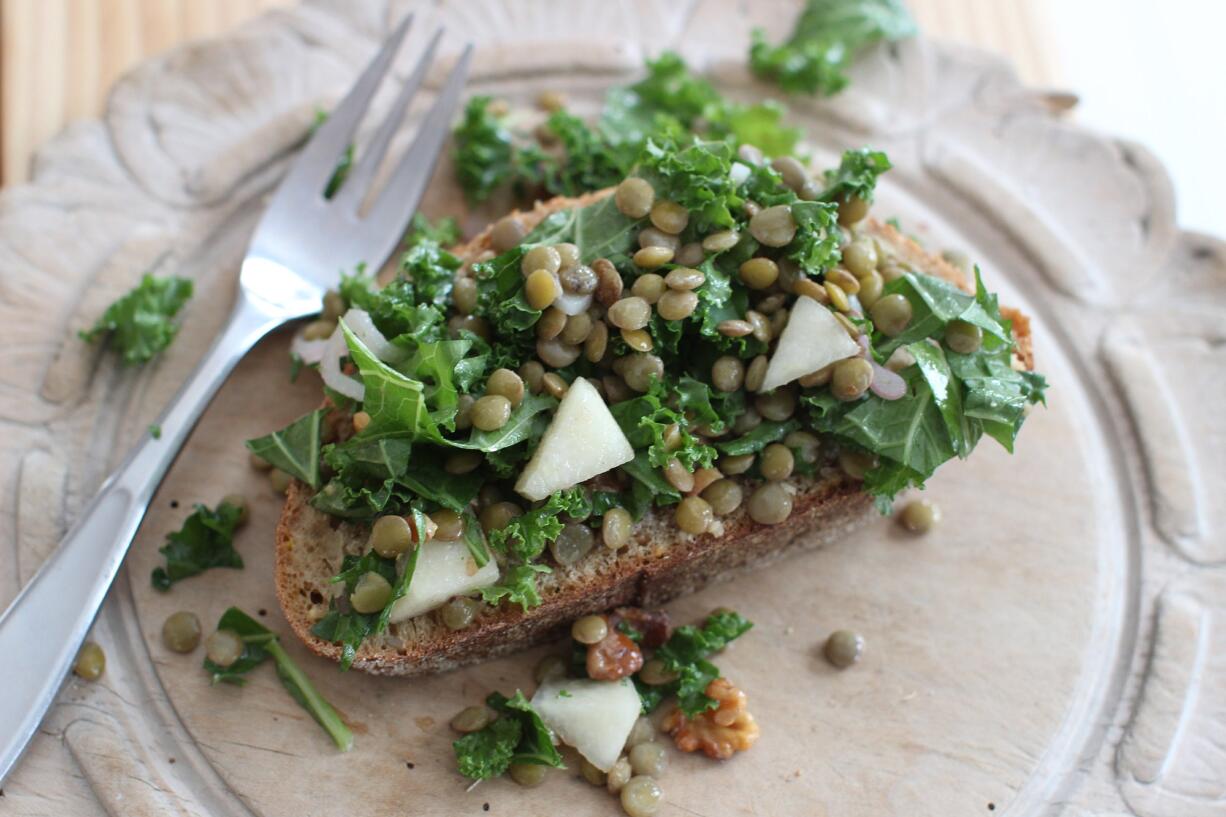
{"type": "Point", "coordinates": [582, 442]}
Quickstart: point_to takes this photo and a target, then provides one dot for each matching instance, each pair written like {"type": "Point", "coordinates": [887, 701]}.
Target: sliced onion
{"type": "Point", "coordinates": [886, 384]}
{"type": "Point", "coordinates": [864, 347]}
{"type": "Point", "coordinates": [573, 304]}
{"type": "Point", "coordinates": [330, 368]}
{"type": "Point", "coordinates": [359, 322]}
{"type": "Point", "coordinates": [309, 352]}
{"type": "Point", "coordinates": [740, 172]}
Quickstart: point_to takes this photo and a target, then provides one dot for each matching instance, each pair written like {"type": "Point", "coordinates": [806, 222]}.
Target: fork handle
{"type": "Point", "coordinates": [42, 630]}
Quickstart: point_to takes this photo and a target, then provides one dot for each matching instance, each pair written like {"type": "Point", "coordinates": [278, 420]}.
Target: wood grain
{"type": "Point", "coordinates": [59, 58]}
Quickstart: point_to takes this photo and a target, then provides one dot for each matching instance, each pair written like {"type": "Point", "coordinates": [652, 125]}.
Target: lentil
{"type": "Point", "coordinates": [318, 330]}
{"type": "Point", "coordinates": [721, 241]}
{"type": "Point", "coordinates": [634, 197]}
{"type": "Point", "coordinates": [843, 648]}
{"type": "Point", "coordinates": [464, 411]}
{"type": "Point", "coordinates": [649, 287]}
{"type": "Point", "coordinates": [619, 775]}
{"type": "Point", "coordinates": [669, 217]}
{"type": "Point", "coordinates": [551, 323]}
{"type": "Point", "coordinates": [648, 758]}
{"type": "Point", "coordinates": [852, 209]}
{"type": "Point", "coordinates": [652, 257]}
{"type": "Point", "coordinates": [641, 370]}
{"type": "Point", "coordinates": [223, 647]}
{"type": "Point", "coordinates": [777, 462]}
{"type": "Point", "coordinates": [491, 412]}
{"type": "Point", "coordinates": [891, 314]}
{"type": "Point", "coordinates": [573, 543]}
{"type": "Point", "coordinates": [684, 278]}
{"type": "Point", "coordinates": [870, 289]}
{"type": "Point", "coordinates": [856, 463]}
{"type": "Point", "coordinates": [725, 495]}
{"type": "Point", "coordinates": [694, 515]}
{"type": "Point", "coordinates": [460, 613]}
{"type": "Point", "coordinates": [608, 281]}
{"type": "Point", "coordinates": [578, 327]}
{"type": "Point", "coordinates": [528, 775]}
{"type": "Point", "coordinates": [838, 298]}
{"type": "Point", "coordinates": [770, 504]}
{"type": "Point", "coordinates": [819, 378]}
{"type": "Point", "coordinates": [615, 528]}
{"type": "Point", "coordinates": [464, 295]}
{"type": "Point", "coordinates": [597, 342]}
{"type": "Point", "coordinates": [641, 796]}
{"type": "Point", "coordinates": [91, 662]}
{"type": "Point", "coordinates": [860, 256]}
{"type": "Point", "coordinates": [734, 328]}
{"type": "Point", "coordinates": [448, 525]}
{"type": "Point", "coordinates": [507, 234]}
{"type": "Point", "coordinates": [690, 255]}
{"type": "Point", "coordinates": [651, 237]}
{"type": "Point", "coordinates": [390, 536]}
{"type": "Point", "coordinates": [759, 273]}
{"type": "Point", "coordinates": [963, 338]}
{"type": "Point", "coordinates": [371, 593]}
{"type": "Point", "coordinates": [181, 632]}
{"type": "Point", "coordinates": [554, 385]}
{"type": "Point", "coordinates": [630, 313]}
{"type": "Point", "coordinates": [792, 171]}
{"type": "Point", "coordinates": [498, 515]}
{"type": "Point", "coordinates": [472, 719]}
{"type": "Point", "coordinates": [589, 629]}
{"type": "Point", "coordinates": [773, 226]}
{"type": "Point", "coordinates": [678, 476]}
{"type": "Point", "coordinates": [637, 339]}
{"type": "Point", "coordinates": [676, 304]}
{"type": "Point", "coordinates": [776, 405]}
{"type": "Point", "coordinates": [920, 516]}
{"type": "Point", "coordinates": [728, 374]}
{"type": "Point", "coordinates": [756, 373]}
{"type": "Point", "coordinates": [846, 281]}
{"type": "Point", "coordinates": [537, 258]}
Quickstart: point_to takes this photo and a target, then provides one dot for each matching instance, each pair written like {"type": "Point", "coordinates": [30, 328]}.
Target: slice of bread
{"type": "Point", "coordinates": [659, 564]}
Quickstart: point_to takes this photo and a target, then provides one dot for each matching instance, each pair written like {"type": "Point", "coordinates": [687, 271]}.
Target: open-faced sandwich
{"type": "Point", "coordinates": [618, 396]}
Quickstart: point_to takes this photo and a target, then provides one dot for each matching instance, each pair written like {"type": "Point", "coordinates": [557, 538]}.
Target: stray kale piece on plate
{"type": "Point", "coordinates": [140, 324]}
{"type": "Point", "coordinates": [517, 736]}
{"type": "Point", "coordinates": [685, 653]}
{"type": "Point", "coordinates": [260, 643]}
{"type": "Point", "coordinates": [205, 540]}
{"type": "Point", "coordinates": [825, 40]}
{"type": "Point", "coordinates": [294, 449]}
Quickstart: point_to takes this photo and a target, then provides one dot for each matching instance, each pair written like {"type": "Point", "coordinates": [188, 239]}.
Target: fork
{"type": "Point", "coordinates": [303, 240]}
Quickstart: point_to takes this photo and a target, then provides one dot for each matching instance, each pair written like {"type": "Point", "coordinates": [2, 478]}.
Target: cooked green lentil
{"type": "Point", "coordinates": [181, 631]}
{"type": "Point", "coordinates": [91, 662]}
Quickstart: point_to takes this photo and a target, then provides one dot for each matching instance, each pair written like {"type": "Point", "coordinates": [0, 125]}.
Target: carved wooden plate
{"type": "Point", "coordinates": [1059, 644]}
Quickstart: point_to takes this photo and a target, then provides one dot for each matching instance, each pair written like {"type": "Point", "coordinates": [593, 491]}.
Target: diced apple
{"type": "Point", "coordinates": [583, 441]}
{"type": "Point", "coordinates": [812, 340]}
{"type": "Point", "coordinates": [594, 717]}
{"type": "Point", "coordinates": [444, 569]}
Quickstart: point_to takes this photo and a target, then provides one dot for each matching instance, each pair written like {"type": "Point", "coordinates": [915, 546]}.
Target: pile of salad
{"type": "Point", "coordinates": [730, 312]}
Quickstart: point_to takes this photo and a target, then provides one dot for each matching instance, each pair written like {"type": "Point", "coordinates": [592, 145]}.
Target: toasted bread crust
{"type": "Point", "coordinates": [660, 564]}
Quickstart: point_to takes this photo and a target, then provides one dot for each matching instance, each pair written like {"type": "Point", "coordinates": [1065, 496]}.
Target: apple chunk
{"type": "Point", "coordinates": [583, 441]}
{"type": "Point", "coordinates": [444, 569]}
{"type": "Point", "coordinates": [595, 717]}
{"type": "Point", "coordinates": [812, 340]}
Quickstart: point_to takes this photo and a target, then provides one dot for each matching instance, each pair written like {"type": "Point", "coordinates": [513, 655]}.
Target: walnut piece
{"type": "Point", "coordinates": [719, 733]}
{"type": "Point", "coordinates": [614, 656]}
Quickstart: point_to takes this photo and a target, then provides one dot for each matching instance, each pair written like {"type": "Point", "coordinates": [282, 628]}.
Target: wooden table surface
{"type": "Point", "coordinates": [59, 58]}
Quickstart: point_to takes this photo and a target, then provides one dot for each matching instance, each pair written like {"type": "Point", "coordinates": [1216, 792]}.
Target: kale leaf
{"type": "Point", "coordinates": [517, 736]}
{"type": "Point", "coordinates": [259, 643]}
{"type": "Point", "coordinates": [484, 150]}
{"type": "Point", "coordinates": [685, 653]}
{"type": "Point", "coordinates": [206, 540]}
{"type": "Point", "coordinates": [825, 40]}
{"type": "Point", "coordinates": [294, 449]}
{"type": "Point", "coordinates": [140, 323]}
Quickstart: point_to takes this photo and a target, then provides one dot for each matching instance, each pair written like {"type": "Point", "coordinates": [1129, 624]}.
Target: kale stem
{"type": "Point", "coordinates": [305, 693]}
